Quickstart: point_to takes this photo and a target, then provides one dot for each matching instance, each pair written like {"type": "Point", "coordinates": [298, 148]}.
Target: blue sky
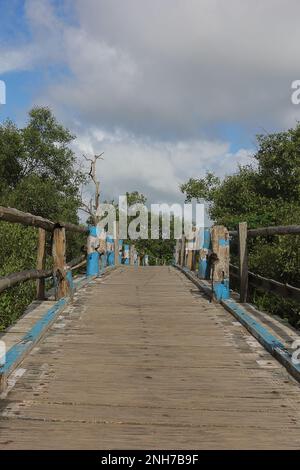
{"type": "Point", "coordinates": [23, 85]}
{"type": "Point", "coordinates": [167, 89]}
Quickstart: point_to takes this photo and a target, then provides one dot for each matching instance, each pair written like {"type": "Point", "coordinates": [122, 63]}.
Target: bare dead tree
{"type": "Point", "coordinates": [92, 208]}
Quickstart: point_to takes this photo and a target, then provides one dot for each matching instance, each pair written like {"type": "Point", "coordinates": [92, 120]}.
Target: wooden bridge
{"type": "Point", "coordinates": [142, 358]}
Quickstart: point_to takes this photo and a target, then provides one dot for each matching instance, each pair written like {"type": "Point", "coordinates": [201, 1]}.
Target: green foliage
{"type": "Point", "coordinates": [38, 174]}
{"type": "Point", "coordinates": [10, 156]}
{"type": "Point", "coordinates": [160, 251]}
{"type": "Point", "coordinates": [135, 198]}
{"type": "Point", "coordinates": [17, 253]}
{"type": "Point", "coordinates": [201, 188]}
{"type": "Point", "coordinates": [262, 194]}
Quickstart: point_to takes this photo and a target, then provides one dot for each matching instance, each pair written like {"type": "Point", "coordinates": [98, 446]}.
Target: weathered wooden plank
{"type": "Point", "coordinates": [59, 262]}
{"type": "Point", "coordinates": [157, 366]}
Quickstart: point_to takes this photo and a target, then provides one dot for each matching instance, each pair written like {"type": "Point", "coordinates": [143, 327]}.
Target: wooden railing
{"type": "Point", "coordinates": [213, 257]}
{"type": "Point", "coordinates": [246, 277]}
{"type": "Point", "coordinates": [60, 266]}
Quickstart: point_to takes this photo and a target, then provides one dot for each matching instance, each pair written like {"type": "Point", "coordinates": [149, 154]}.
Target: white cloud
{"type": "Point", "coordinates": [171, 67]}
{"type": "Point", "coordinates": [17, 59]}
{"type": "Point", "coordinates": [150, 82]}
{"type": "Point", "coordinates": [46, 45]}
{"type": "Point", "coordinates": [176, 67]}
{"type": "Point", "coordinates": [154, 168]}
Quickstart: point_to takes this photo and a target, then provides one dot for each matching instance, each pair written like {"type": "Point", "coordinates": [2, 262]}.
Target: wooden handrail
{"type": "Point", "coordinates": [58, 229]}
{"type": "Point", "coordinates": [260, 282]}
{"type": "Point", "coordinates": [73, 228]}
{"type": "Point", "coordinates": [15, 278]}
{"type": "Point", "coordinates": [12, 215]}
{"type": "Point", "coordinates": [76, 262]}
{"type": "Point", "coordinates": [33, 274]}
{"type": "Point", "coordinates": [9, 214]}
{"type": "Point", "coordinates": [268, 231]}
{"type": "Point", "coordinates": [269, 285]}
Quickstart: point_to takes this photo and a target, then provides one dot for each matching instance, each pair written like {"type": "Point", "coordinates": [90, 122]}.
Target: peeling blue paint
{"type": "Point", "coordinates": [69, 278]}
{"type": "Point", "coordinates": [223, 242]}
{"type": "Point", "coordinates": [207, 239]}
{"type": "Point", "coordinates": [92, 268]}
{"type": "Point", "coordinates": [120, 251]}
{"type": "Point", "coordinates": [126, 251]}
{"type": "Point", "coordinates": [221, 290]}
{"type": "Point", "coordinates": [262, 334]}
{"type": "Point", "coordinates": [259, 331]}
{"type": "Point", "coordinates": [110, 252]}
{"type": "Point", "coordinates": [16, 352]}
{"type": "Point", "coordinates": [204, 265]}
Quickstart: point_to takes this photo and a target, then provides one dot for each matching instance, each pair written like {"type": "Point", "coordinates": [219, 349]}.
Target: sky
{"type": "Point", "coordinates": [167, 89]}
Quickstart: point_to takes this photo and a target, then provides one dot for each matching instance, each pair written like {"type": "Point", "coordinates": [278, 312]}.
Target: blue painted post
{"type": "Point", "coordinates": [120, 251]}
{"type": "Point", "coordinates": [205, 249]}
{"type": "Point", "coordinates": [126, 254]}
{"type": "Point", "coordinates": [69, 277]}
{"type": "Point", "coordinates": [220, 263]}
{"type": "Point", "coordinates": [110, 250]}
{"type": "Point", "coordinates": [92, 268]}
{"type": "Point", "coordinates": [103, 250]}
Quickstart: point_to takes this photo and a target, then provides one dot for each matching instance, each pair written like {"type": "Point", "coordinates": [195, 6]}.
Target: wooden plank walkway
{"type": "Point", "coordinates": [142, 360]}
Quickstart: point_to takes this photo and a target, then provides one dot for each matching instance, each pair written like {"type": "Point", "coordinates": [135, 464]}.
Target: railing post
{"type": "Point", "coordinates": [110, 250]}
{"type": "Point", "coordinates": [59, 262]}
{"type": "Point", "coordinates": [192, 249]}
{"type": "Point", "coordinates": [126, 254]}
{"type": "Point", "coordinates": [243, 261]}
{"type": "Point", "coordinates": [116, 238]}
{"type": "Point", "coordinates": [120, 251]}
{"type": "Point", "coordinates": [41, 263]}
{"type": "Point", "coordinates": [92, 268]}
{"type": "Point", "coordinates": [177, 252]}
{"type": "Point", "coordinates": [131, 255]}
{"type": "Point", "coordinates": [190, 244]}
{"type": "Point", "coordinates": [189, 260]}
{"type": "Point", "coordinates": [102, 250]}
{"type": "Point", "coordinates": [204, 267]}
{"type": "Point", "coordinates": [220, 262]}
{"type": "Point", "coordinates": [195, 253]}
{"type": "Point", "coordinates": [182, 260]}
